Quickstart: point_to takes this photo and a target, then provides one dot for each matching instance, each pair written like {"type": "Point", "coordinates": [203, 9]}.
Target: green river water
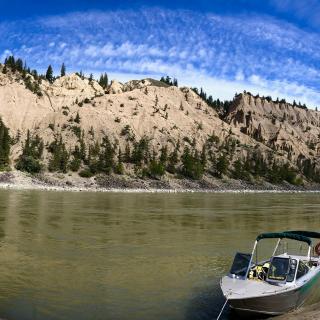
{"type": "Point", "coordinates": [66, 255]}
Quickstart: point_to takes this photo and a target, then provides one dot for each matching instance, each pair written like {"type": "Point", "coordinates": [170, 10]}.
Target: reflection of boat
{"type": "Point", "coordinates": [277, 285]}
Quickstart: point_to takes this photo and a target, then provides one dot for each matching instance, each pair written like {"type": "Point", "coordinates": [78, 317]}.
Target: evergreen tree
{"type": "Point", "coordinates": [191, 165]}
{"type": "Point", "coordinates": [156, 169]}
{"type": "Point", "coordinates": [103, 81]}
{"type": "Point", "coordinates": [119, 168]}
{"type": "Point", "coordinates": [49, 74]}
{"type": "Point", "coordinates": [32, 151]}
{"type": "Point", "coordinates": [127, 154]}
{"type": "Point", "coordinates": [75, 162]}
{"type": "Point", "coordinates": [77, 118]}
{"type": "Point", "coordinates": [164, 155]}
{"type": "Point", "coordinates": [63, 70]}
{"type": "Point", "coordinates": [222, 165]}
{"type": "Point", "coordinates": [140, 151]}
{"type": "Point", "coordinates": [5, 141]}
{"type": "Point", "coordinates": [106, 157]}
{"type": "Point", "coordinates": [60, 156]}
{"type": "Point", "coordinates": [204, 156]}
{"type": "Point", "coordinates": [173, 159]}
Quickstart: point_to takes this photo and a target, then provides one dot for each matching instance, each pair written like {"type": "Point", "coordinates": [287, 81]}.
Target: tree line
{"type": "Point", "coordinates": [17, 65]}
{"type": "Point", "coordinates": [215, 158]}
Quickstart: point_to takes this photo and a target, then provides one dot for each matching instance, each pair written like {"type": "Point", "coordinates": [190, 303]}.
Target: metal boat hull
{"type": "Point", "coordinates": [279, 303]}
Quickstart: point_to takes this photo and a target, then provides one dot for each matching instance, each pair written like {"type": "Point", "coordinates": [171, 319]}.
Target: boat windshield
{"type": "Point", "coordinates": [240, 264]}
{"type": "Point", "coordinates": [278, 270]}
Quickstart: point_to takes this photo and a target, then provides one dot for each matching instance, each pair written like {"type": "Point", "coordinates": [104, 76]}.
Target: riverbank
{"type": "Point", "coordinates": [114, 183]}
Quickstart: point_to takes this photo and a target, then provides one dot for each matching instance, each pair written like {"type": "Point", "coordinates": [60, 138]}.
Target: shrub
{"type": "Point", "coordinates": [156, 169]}
{"type": "Point", "coordinates": [75, 164]}
{"type": "Point", "coordinates": [86, 173]}
{"type": "Point", "coordinates": [77, 131]}
{"type": "Point", "coordinates": [119, 168]}
{"type": "Point", "coordinates": [28, 164]}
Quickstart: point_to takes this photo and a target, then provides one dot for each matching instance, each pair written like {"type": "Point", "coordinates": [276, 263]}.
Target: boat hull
{"type": "Point", "coordinates": [279, 303]}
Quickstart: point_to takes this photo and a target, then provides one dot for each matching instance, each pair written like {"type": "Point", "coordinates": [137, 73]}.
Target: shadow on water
{"type": "Point", "coordinates": [207, 302]}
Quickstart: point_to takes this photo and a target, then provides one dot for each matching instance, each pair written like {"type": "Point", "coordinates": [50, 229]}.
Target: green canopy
{"type": "Point", "coordinates": [309, 234]}
{"type": "Point", "coordinates": [287, 235]}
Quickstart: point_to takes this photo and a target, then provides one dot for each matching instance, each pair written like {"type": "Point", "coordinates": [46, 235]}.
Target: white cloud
{"type": "Point", "coordinates": [223, 54]}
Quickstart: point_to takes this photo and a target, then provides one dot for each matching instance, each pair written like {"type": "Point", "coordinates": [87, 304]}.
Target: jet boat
{"type": "Point", "coordinates": [277, 285]}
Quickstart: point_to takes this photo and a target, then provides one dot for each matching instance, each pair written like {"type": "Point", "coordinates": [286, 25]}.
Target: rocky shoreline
{"type": "Point", "coordinates": [18, 180]}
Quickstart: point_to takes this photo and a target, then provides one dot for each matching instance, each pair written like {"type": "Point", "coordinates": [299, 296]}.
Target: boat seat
{"type": "Point", "coordinates": [259, 272]}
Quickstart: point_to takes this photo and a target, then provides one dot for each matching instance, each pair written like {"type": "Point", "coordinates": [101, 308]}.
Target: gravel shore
{"type": "Point", "coordinates": [72, 182]}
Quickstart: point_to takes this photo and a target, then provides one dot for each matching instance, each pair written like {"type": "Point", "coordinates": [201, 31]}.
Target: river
{"type": "Point", "coordinates": [68, 255]}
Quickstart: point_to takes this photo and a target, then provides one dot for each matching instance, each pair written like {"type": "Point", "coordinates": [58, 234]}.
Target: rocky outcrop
{"type": "Point", "coordinates": [288, 129]}
{"type": "Point", "coordinates": [115, 87]}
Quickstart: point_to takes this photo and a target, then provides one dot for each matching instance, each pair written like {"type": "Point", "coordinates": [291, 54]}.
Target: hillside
{"type": "Point", "coordinates": [151, 130]}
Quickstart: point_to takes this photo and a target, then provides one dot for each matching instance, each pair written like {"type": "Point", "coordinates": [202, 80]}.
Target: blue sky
{"type": "Point", "coordinates": [267, 47]}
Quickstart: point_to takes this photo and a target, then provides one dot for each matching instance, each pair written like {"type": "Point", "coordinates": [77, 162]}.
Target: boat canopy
{"type": "Point", "coordinates": [309, 234]}
{"type": "Point", "coordinates": [282, 235]}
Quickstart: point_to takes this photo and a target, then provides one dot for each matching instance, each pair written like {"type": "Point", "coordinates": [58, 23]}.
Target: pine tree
{"type": "Point", "coordinates": [49, 74]}
{"type": "Point", "coordinates": [103, 81]}
{"type": "Point", "coordinates": [204, 156]}
{"type": "Point", "coordinates": [127, 154]}
{"type": "Point", "coordinates": [191, 165]}
{"type": "Point", "coordinates": [4, 146]}
{"type": "Point", "coordinates": [173, 159]}
{"type": "Point", "coordinates": [222, 165]}
{"type": "Point", "coordinates": [60, 156]}
{"type": "Point", "coordinates": [77, 118]}
{"type": "Point", "coordinates": [30, 159]}
{"type": "Point", "coordinates": [164, 155]}
{"type": "Point", "coordinates": [119, 169]}
{"type": "Point", "coordinates": [156, 169]}
{"type": "Point", "coordinates": [106, 156]}
{"type": "Point", "coordinates": [75, 163]}
{"type": "Point", "coordinates": [63, 70]}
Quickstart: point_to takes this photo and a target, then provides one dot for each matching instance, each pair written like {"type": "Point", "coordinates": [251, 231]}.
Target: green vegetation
{"type": "Point", "coordinates": [59, 156]}
{"type": "Point", "coordinates": [220, 106]}
{"type": "Point", "coordinates": [31, 78]}
{"type": "Point", "coordinates": [5, 144]}
{"type": "Point", "coordinates": [49, 74]}
{"type": "Point", "coordinates": [32, 151]}
{"type": "Point", "coordinates": [169, 81]}
{"type": "Point", "coordinates": [63, 70]}
{"type": "Point", "coordinates": [192, 166]}
{"type": "Point", "coordinates": [103, 81]}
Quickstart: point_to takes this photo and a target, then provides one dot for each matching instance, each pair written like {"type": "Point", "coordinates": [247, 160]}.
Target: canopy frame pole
{"type": "Point", "coordinates": [249, 266]}
{"type": "Point", "coordinates": [276, 247]}
{"type": "Point", "coordinates": [309, 253]}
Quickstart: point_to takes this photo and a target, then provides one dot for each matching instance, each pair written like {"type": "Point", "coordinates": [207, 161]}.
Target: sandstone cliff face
{"type": "Point", "coordinates": [148, 107]}
{"type": "Point", "coordinates": [288, 130]}
{"type": "Point", "coordinates": [166, 114]}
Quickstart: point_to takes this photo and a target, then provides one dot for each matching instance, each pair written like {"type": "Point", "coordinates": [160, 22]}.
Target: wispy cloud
{"type": "Point", "coordinates": [224, 54]}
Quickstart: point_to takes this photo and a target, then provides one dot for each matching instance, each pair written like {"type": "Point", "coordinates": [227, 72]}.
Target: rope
{"type": "Point", "coordinates": [222, 309]}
